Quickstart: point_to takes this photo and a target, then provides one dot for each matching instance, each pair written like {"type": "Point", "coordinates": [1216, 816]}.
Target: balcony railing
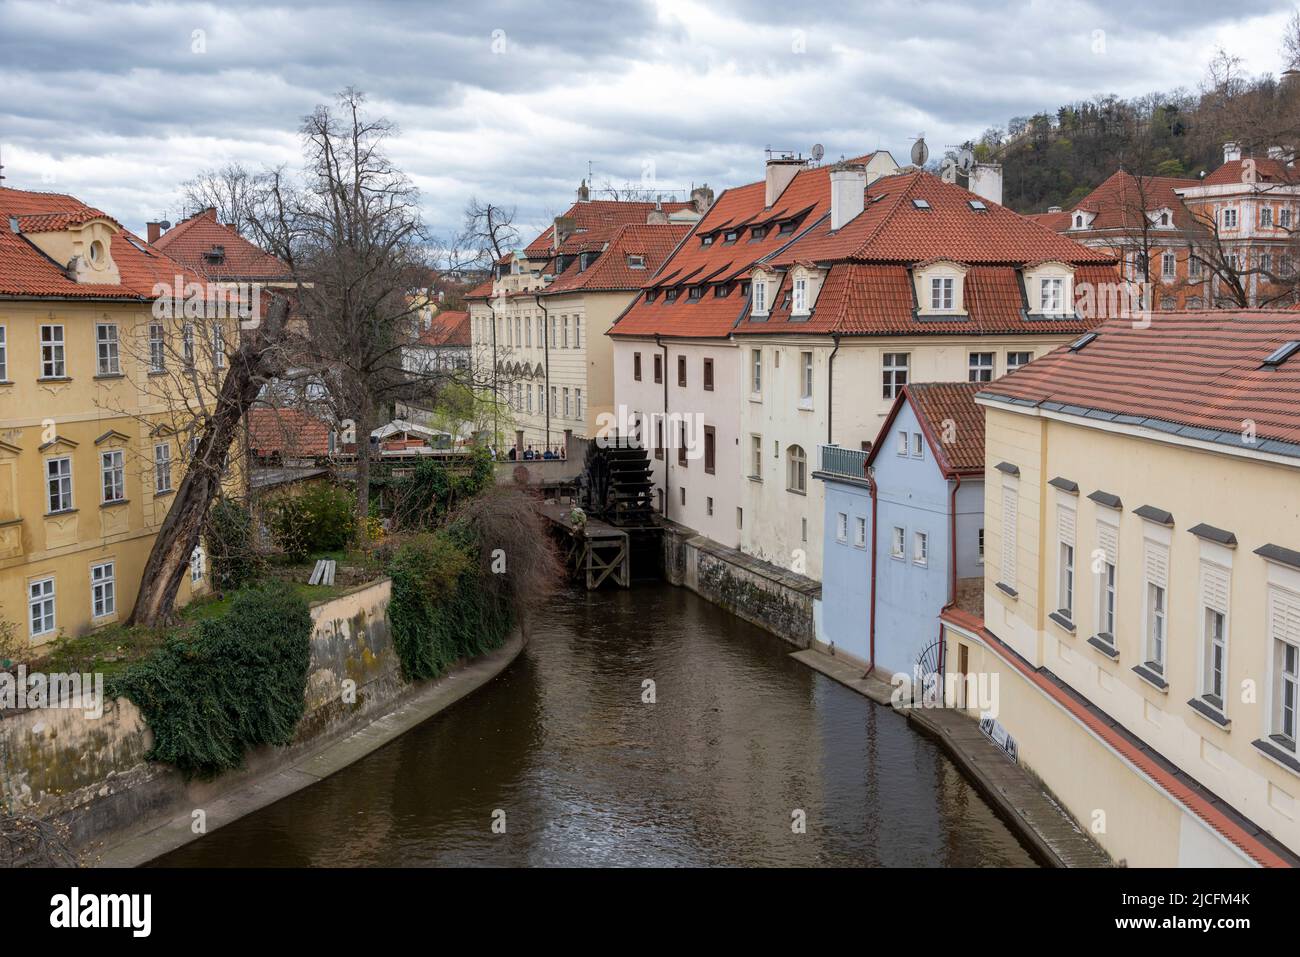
{"type": "Point", "coordinates": [847, 462]}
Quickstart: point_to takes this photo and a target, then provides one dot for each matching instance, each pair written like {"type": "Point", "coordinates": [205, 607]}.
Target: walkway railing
{"type": "Point", "coordinates": [841, 461]}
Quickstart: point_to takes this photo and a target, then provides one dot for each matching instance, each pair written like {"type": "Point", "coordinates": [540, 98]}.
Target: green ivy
{"type": "Point", "coordinates": [227, 685]}
{"type": "Point", "coordinates": [229, 537]}
{"type": "Point", "coordinates": [422, 499]}
{"type": "Point", "coordinates": [320, 519]}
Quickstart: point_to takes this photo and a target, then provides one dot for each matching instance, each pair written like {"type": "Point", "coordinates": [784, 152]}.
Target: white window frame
{"type": "Point", "coordinates": [756, 457]}
{"type": "Point", "coordinates": [976, 367]}
{"type": "Point", "coordinates": [894, 371]}
{"type": "Point", "coordinates": [756, 371]}
{"type": "Point", "coordinates": [1229, 218]}
{"type": "Point", "coordinates": [796, 469]}
{"type": "Point", "coordinates": [1155, 626]}
{"type": "Point", "coordinates": [898, 543]}
{"type": "Point", "coordinates": [800, 304]}
{"type": "Point", "coordinates": [103, 589]}
{"type": "Point", "coordinates": [54, 356]}
{"type": "Point", "coordinates": [904, 444]}
{"type": "Point", "coordinates": [759, 297]}
{"type": "Point", "coordinates": [1067, 560]}
{"type": "Point", "coordinates": [162, 468]}
{"type": "Point", "coordinates": [112, 474]}
{"type": "Point", "coordinates": [187, 344]}
{"type": "Point", "coordinates": [1014, 359]}
{"type": "Point", "coordinates": [42, 607]}
{"type": "Point", "coordinates": [108, 355]}
{"type": "Point", "coordinates": [1284, 663]}
{"type": "Point", "coordinates": [918, 445]}
{"type": "Point", "coordinates": [4, 356]}
{"type": "Point", "coordinates": [1107, 580]}
{"type": "Point", "coordinates": [943, 293]}
{"type": "Point", "coordinates": [842, 527]}
{"type": "Point", "coordinates": [157, 347]}
{"type": "Point", "coordinates": [1216, 590]}
{"type": "Point", "coordinates": [1051, 295]}
{"type": "Point", "coordinates": [1169, 265]}
{"type": "Point", "coordinates": [921, 548]}
{"type": "Point", "coordinates": [55, 472]}
{"type": "Point", "coordinates": [806, 379]}
{"type": "Point", "coordinates": [1266, 217]}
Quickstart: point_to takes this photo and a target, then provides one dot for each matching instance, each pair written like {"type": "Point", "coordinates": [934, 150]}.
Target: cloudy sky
{"type": "Point", "coordinates": [120, 103]}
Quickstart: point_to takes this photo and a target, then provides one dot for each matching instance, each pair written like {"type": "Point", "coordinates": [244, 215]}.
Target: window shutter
{"type": "Point", "coordinates": [1009, 516]}
{"type": "Point", "coordinates": [1214, 587]}
{"type": "Point", "coordinates": [1284, 615]}
{"type": "Point", "coordinates": [1157, 564]}
{"type": "Point", "coordinates": [1065, 524]}
{"type": "Point", "coordinates": [1108, 541]}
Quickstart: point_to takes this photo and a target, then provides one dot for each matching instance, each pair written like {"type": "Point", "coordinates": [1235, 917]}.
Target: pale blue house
{"type": "Point", "coordinates": [904, 528]}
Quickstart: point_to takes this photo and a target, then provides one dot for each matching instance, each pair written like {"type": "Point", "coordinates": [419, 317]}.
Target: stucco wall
{"type": "Point", "coordinates": [91, 774]}
{"type": "Point", "coordinates": [846, 570]}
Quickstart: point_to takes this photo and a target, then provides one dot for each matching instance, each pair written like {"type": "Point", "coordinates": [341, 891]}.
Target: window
{"type": "Point", "coordinates": [1194, 266]}
{"type": "Point", "coordinates": [895, 374]}
{"type": "Point", "coordinates": [1009, 519]}
{"type": "Point", "coordinates": [636, 366]}
{"type": "Point", "coordinates": [918, 445]}
{"type": "Point", "coordinates": [1108, 545]}
{"type": "Point", "coordinates": [842, 527]}
{"type": "Point", "coordinates": [1051, 296]}
{"type": "Point", "coordinates": [695, 293]}
{"type": "Point", "coordinates": [4, 357]}
{"type": "Point", "coordinates": [1066, 585]}
{"type": "Point", "coordinates": [187, 344]}
{"type": "Point", "coordinates": [803, 529]}
{"type": "Point", "coordinates": [577, 403]}
{"type": "Point", "coordinates": [1266, 217]}
{"type": "Point", "coordinates": [756, 371]}
{"type": "Point", "coordinates": [58, 474]}
{"type": "Point", "coordinates": [40, 606]}
{"type": "Point", "coordinates": [800, 296]}
{"type": "Point", "coordinates": [196, 564]}
{"type": "Point", "coordinates": [1229, 218]}
{"type": "Point", "coordinates": [528, 332]}
{"type": "Point", "coordinates": [708, 375]}
{"type": "Point", "coordinates": [710, 449]}
{"type": "Point", "coordinates": [941, 293]}
{"type": "Point", "coordinates": [1157, 578]}
{"type": "Point", "coordinates": [760, 298]}
{"type": "Point", "coordinates": [553, 403]}
{"type": "Point", "coordinates": [756, 457]}
{"type": "Point", "coordinates": [113, 472]}
{"type": "Point", "coordinates": [103, 590]}
{"type": "Point", "coordinates": [1215, 590]}
{"type": "Point", "coordinates": [797, 480]}
{"type": "Point", "coordinates": [659, 367]}
{"type": "Point", "coordinates": [635, 262]}
{"type": "Point", "coordinates": [1168, 265]}
{"type": "Point", "coordinates": [981, 367]}
{"type": "Point", "coordinates": [860, 533]}
{"type": "Point", "coordinates": [806, 377]}
{"type": "Point", "coordinates": [577, 332]}
{"type": "Point", "coordinates": [659, 438]}
{"type": "Point", "coordinates": [740, 518]}
{"type": "Point", "coordinates": [162, 468]}
{"type": "Point", "coordinates": [52, 353]}
{"type": "Point", "coordinates": [1284, 217]}
{"type": "Point", "coordinates": [1017, 359]}
{"type": "Point", "coordinates": [920, 548]}
{"type": "Point", "coordinates": [157, 348]}
{"type": "Point", "coordinates": [528, 396]}
{"type": "Point", "coordinates": [681, 371]}
{"type": "Point", "coordinates": [555, 326]}
{"type": "Point", "coordinates": [897, 543]}
{"type": "Point", "coordinates": [1284, 628]}
{"type": "Point", "coordinates": [568, 408]}
{"type": "Point", "coordinates": [979, 555]}
{"type": "Point", "coordinates": [904, 443]}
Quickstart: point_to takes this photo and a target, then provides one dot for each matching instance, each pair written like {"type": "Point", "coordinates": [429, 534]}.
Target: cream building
{"type": "Point", "coordinates": [94, 423]}
{"type": "Point", "coordinates": [1142, 589]}
{"type": "Point", "coordinates": [538, 326]}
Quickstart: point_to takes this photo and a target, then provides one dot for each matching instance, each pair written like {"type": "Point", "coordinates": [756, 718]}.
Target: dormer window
{"type": "Point", "coordinates": [722, 290]}
{"type": "Point", "coordinates": [670, 295]}
{"type": "Point", "coordinates": [731, 235]}
{"type": "Point", "coordinates": [1078, 220]}
{"type": "Point", "coordinates": [706, 240]}
{"type": "Point", "coordinates": [96, 252]}
{"type": "Point", "coordinates": [757, 233]}
{"type": "Point", "coordinates": [786, 228]}
{"type": "Point", "coordinates": [696, 293]}
{"type": "Point", "coordinates": [1164, 219]}
{"type": "Point", "coordinates": [800, 297]}
{"type": "Point", "coordinates": [651, 295]}
{"type": "Point", "coordinates": [760, 298]}
{"type": "Point", "coordinates": [636, 262]}
{"type": "Point", "coordinates": [941, 294]}
{"type": "Point", "coordinates": [1051, 296]}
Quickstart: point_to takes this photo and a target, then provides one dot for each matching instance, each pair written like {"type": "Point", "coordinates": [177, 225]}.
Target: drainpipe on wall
{"type": "Point", "coordinates": [496, 424]}
{"type": "Point", "coordinates": [830, 388]}
{"type": "Point", "coordinates": [871, 484]}
{"type": "Point", "coordinates": [664, 376]}
{"type": "Point", "coordinates": [952, 547]}
{"type": "Point", "coordinates": [546, 359]}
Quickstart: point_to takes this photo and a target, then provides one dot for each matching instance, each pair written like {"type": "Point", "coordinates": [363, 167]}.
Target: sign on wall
{"type": "Point", "coordinates": [1000, 736]}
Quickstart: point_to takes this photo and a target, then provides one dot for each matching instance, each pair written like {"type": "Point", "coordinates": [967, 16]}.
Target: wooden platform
{"type": "Point", "coordinates": [596, 550]}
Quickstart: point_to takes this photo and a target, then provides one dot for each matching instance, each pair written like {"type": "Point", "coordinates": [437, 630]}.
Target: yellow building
{"type": "Point", "coordinates": [1142, 584]}
{"type": "Point", "coordinates": [101, 387]}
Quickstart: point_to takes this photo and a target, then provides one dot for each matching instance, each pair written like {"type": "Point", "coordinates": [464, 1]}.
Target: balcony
{"type": "Point", "coordinates": [848, 463]}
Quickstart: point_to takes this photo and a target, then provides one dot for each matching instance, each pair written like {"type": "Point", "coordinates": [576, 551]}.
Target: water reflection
{"type": "Point", "coordinates": [740, 737]}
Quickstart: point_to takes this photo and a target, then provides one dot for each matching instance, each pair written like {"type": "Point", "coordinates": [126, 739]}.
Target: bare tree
{"type": "Point", "coordinates": [489, 233]}
{"type": "Point", "coordinates": [1291, 42]}
{"type": "Point", "coordinates": [231, 190]}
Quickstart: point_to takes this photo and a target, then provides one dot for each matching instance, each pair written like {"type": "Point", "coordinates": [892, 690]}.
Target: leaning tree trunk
{"type": "Point", "coordinates": [250, 367]}
{"type": "Point", "coordinates": [364, 420]}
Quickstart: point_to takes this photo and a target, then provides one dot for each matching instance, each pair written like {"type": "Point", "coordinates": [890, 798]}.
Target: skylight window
{"type": "Point", "coordinates": [977, 205]}
{"type": "Point", "coordinates": [1282, 353]}
{"type": "Point", "coordinates": [1082, 341]}
{"type": "Point", "coordinates": [921, 203]}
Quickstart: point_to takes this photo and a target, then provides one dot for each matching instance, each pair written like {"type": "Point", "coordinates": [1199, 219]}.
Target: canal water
{"type": "Point", "coordinates": [740, 744]}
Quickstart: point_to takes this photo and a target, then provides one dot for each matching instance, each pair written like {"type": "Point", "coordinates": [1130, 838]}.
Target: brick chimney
{"type": "Point", "coordinates": [848, 192]}
{"type": "Point", "coordinates": [153, 231]}
{"type": "Point", "coordinates": [780, 171]}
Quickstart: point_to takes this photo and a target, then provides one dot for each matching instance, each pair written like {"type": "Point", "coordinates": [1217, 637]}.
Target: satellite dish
{"type": "Point", "coordinates": [818, 151]}
{"type": "Point", "coordinates": [920, 152]}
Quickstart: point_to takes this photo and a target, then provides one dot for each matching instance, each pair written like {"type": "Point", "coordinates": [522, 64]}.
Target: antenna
{"type": "Point", "coordinates": [818, 151]}
{"type": "Point", "coordinates": [2, 171]}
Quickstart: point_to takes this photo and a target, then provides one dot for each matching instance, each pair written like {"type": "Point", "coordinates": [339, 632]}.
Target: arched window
{"type": "Point", "coordinates": [797, 477]}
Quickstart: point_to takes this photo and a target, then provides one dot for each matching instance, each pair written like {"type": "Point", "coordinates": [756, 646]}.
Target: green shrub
{"type": "Point", "coordinates": [229, 536]}
{"type": "Point", "coordinates": [320, 519]}
{"type": "Point", "coordinates": [440, 610]}
{"type": "Point", "coordinates": [227, 685]}
{"type": "Point", "coordinates": [422, 499]}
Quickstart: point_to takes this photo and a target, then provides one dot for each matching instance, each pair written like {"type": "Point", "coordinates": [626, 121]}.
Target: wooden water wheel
{"type": "Point", "coordinates": [617, 484]}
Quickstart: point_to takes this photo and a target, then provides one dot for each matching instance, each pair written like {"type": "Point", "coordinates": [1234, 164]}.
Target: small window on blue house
{"type": "Point", "coordinates": [902, 443]}
{"type": "Point", "coordinates": [920, 548]}
{"type": "Point", "coordinates": [980, 558]}
{"type": "Point", "coordinates": [842, 528]}
{"type": "Point", "coordinates": [918, 446]}
{"type": "Point", "coordinates": [899, 543]}
{"type": "Point", "coordinates": [860, 535]}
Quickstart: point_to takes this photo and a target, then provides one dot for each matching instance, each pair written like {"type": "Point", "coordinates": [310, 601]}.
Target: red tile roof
{"type": "Point", "coordinates": [447, 329]}
{"type": "Point", "coordinates": [952, 422]}
{"type": "Point", "coordinates": [190, 240]}
{"type": "Point", "coordinates": [482, 291]}
{"type": "Point", "coordinates": [1117, 203]}
{"type": "Point", "coordinates": [288, 433]}
{"type": "Point", "coordinates": [26, 271]}
{"type": "Point", "coordinates": [1234, 171]}
{"type": "Point", "coordinates": [610, 271]}
{"type": "Point", "coordinates": [598, 215]}
{"type": "Point", "coordinates": [1200, 371]}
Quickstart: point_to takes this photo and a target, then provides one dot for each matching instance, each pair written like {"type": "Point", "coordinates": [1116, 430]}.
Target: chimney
{"type": "Point", "coordinates": [657, 216]}
{"type": "Point", "coordinates": [986, 182]}
{"type": "Point", "coordinates": [780, 170]}
{"type": "Point", "coordinates": [564, 227]}
{"type": "Point", "coordinates": [153, 231]}
{"type": "Point", "coordinates": [584, 194]}
{"type": "Point", "coordinates": [1231, 151]}
{"type": "Point", "coordinates": [1052, 209]}
{"type": "Point", "coordinates": [702, 198]}
{"type": "Point", "coordinates": [848, 192]}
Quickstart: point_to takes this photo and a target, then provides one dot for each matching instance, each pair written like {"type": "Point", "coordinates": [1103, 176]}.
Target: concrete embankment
{"type": "Point", "coordinates": [89, 774]}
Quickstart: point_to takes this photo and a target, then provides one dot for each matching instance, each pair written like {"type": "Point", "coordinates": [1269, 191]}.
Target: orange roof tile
{"type": "Point", "coordinates": [191, 242]}
{"type": "Point", "coordinates": [287, 432]}
{"type": "Point", "coordinates": [1234, 171]}
{"type": "Point", "coordinates": [598, 215]}
{"type": "Point", "coordinates": [450, 328]}
{"type": "Point", "coordinates": [611, 270]}
{"type": "Point", "coordinates": [953, 423]}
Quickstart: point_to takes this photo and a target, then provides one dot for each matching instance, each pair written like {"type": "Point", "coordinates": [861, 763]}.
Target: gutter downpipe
{"type": "Point", "coordinates": [871, 484]}
{"type": "Point", "coordinates": [830, 387]}
{"type": "Point", "coordinates": [546, 359]}
{"type": "Point", "coordinates": [952, 545]}
{"type": "Point", "coordinates": [664, 448]}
